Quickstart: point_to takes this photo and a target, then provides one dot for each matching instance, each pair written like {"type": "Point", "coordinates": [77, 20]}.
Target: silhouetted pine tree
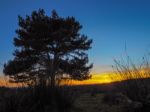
{"type": "Point", "coordinates": [47, 48]}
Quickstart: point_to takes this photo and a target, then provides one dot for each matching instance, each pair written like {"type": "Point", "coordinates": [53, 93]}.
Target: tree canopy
{"type": "Point", "coordinates": [48, 47]}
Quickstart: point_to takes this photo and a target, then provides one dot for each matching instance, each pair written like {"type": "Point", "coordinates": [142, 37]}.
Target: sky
{"type": "Point", "coordinates": [117, 27]}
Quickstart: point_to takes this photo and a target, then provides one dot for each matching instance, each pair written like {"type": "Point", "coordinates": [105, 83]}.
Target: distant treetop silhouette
{"type": "Point", "coordinates": [48, 48]}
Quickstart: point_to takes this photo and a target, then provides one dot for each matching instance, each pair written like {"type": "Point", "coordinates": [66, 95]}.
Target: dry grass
{"type": "Point", "coordinates": [134, 75]}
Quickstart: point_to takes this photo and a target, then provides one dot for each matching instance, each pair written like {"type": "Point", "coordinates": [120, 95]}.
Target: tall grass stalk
{"type": "Point", "coordinates": [136, 78]}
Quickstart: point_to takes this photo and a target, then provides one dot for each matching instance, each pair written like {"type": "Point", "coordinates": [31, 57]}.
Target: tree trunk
{"type": "Point", "coordinates": [52, 80]}
{"type": "Point", "coordinates": [51, 69]}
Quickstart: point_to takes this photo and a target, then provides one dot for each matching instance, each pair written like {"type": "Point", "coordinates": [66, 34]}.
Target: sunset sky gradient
{"type": "Point", "coordinates": [112, 24]}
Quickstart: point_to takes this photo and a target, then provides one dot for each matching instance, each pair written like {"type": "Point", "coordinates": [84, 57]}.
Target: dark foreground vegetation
{"type": "Point", "coordinates": [36, 99]}
{"type": "Point", "coordinates": [81, 98]}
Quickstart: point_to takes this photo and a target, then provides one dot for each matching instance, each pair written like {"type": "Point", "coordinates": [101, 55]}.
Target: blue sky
{"type": "Point", "coordinates": [111, 24]}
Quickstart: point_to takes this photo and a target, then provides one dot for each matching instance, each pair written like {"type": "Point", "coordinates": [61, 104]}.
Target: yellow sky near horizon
{"type": "Point", "coordinates": [101, 78]}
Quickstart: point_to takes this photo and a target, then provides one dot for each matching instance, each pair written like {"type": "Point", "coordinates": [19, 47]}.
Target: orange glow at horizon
{"type": "Point", "coordinates": [95, 79]}
{"type": "Point", "coordinates": [102, 78]}
{"type": "Point", "coordinates": [4, 82]}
